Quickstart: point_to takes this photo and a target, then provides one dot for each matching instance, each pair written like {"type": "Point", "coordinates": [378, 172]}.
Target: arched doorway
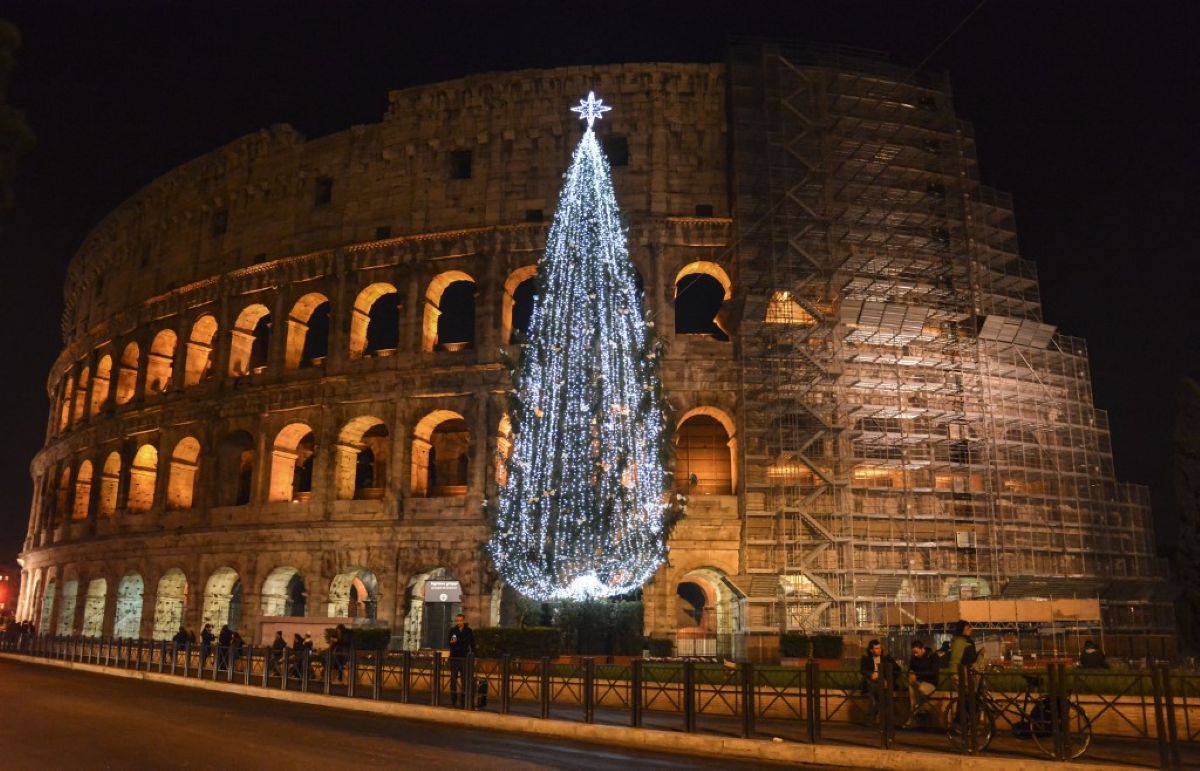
{"type": "Point", "coordinates": [434, 599]}
{"type": "Point", "coordinates": [283, 593]}
{"type": "Point", "coordinates": [93, 608]}
{"type": "Point", "coordinates": [128, 620]}
{"type": "Point", "coordinates": [708, 614]}
{"type": "Point", "coordinates": [354, 594]}
{"type": "Point", "coordinates": [223, 599]}
{"type": "Point", "coordinates": [170, 602]}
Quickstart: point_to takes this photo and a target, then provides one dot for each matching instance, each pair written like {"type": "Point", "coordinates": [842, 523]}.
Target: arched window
{"type": "Point", "coordinates": [66, 608]}
{"type": "Point", "coordinates": [440, 455]}
{"type": "Point", "coordinates": [307, 332]}
{"type": "Point", "coordinates": [83, 490]}
{"type": "Point", "coordinates": [127, 622]}
{"type": "Point", "coordinates": [354, 594]}
{"type": "Point", "coordinates": [47, 615]}
{"type": "Point", "coordinates": [223, 599]}
{"type": "Point", "coordinates": [81, 395]}
{"type": "Point", "coordinates": [169, 603]}
{"type": "Point", "coordinates": [127, 373]}
{"type": "Point", "coordinates": [181, 483]}
{"type": "Point", "coordinates": [63, 499]}
{"type": "Point", "coordinates": [235, 469]}
{"type": "Point", "coordinates": [110, 483]}
{"type": "Point", "coordinates": [704, 453]}
{"type": "Point", "coordinates": [375, 321]}
{"type": "Point", "coordinates": [363, 450]}
{"type": "Point", "coordinates": [199, 363]}
{"type": "Point", "coordinates": [93, 608]}
{"type": "Point", "coordinates": [283, 593]}
{"type": "Point", "coordinates": [100, 386]}
{"type": "Point", "coordinates": [449, 320]}
{"type": "Point", "coordinates": [701, 288]}
{"type": "Point", "coordinates": [517, 305]}
{"type": "Point", "coordinates": [64, 400]}
{"type": "Point", "coordinates": [142, 476]}
{"type": "Point", "coordinates": [250, 341]}
{"type": "Point", "coordinates": [292, 464]}
{"type": "Point", "coordinates": [160, 363]}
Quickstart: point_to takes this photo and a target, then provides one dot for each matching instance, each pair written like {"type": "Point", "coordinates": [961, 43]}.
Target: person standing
{"type": "Point", "coordinates": [873, 667]}
{"type": "Point", "coordinates": [1092, 657]}
{"type": "Point", "coordinates": [962, 649]}
{"type": "Point", "coordinates": [224, 641]}
{"type": "Point", "coordinates": [206, 644]}
{"type": "Point", "coordinates": [922, 678]}
{"type": "Point", "coordinates": [278, 646]}
{"type": "Point", "coordinates": [461, 641]}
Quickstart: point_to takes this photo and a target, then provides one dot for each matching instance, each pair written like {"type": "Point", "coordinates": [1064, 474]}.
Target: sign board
{"type": "Point", "coordinates": [442, 591]}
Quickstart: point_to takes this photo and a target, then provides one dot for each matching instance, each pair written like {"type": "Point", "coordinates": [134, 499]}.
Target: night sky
{"type": "Point", "coordinates": [1083, 111]}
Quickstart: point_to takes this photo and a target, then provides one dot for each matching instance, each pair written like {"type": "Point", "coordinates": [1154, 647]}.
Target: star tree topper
{"type": "Point", "coordinates": [591, 109]}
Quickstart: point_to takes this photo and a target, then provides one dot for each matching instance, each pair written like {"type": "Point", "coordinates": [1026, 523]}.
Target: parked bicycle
{"type": "Point", "coordinates": [1030, 716]}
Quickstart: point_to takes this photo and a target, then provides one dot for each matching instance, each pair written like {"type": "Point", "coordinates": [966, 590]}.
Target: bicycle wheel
{"type": "Point", "coordinates": [985, 728]}
{"type": "Point", "coordinates": [1079, 733]}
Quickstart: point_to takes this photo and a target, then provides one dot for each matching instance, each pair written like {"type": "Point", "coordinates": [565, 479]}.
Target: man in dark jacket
{"type": "Point", "coordinates": [224, 641]}
{"type": "Point", "coordinates": [873, 666]}
{"type": "Point", "coordinates": [278, 646]}
{"type": "Point", "coordinates": [206, 644]}
{"type": "Point", "coordinates": [461, 641]}
{"type": "Point", "coordinates": [1093, 657]}
{"type": "Point", "coordinates": [922, 677]}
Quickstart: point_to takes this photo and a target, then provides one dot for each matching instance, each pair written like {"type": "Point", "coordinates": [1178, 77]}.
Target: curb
{"type": "Point", "coordinates": [647, 739]}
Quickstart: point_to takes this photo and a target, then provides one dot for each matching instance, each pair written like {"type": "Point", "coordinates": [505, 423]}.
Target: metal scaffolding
{"type": "Point", "coordinates": [914, 431]}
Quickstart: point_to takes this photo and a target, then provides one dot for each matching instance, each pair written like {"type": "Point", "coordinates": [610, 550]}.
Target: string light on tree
{"type": "Point", "coordinates": [582, 512]}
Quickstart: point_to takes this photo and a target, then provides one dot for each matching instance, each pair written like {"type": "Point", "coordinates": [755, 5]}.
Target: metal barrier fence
{"type": "Point", "coordinates": [1149, 718]}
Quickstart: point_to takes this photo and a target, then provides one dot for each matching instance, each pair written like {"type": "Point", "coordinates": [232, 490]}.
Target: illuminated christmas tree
{"type": "Point", "coordinates": [582, 511]}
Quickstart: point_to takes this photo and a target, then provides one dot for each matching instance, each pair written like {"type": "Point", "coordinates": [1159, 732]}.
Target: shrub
{"type": "Point", "coordinates": [365, 638]}
{"type": "Point", "coordinates": [827, 646]}
{"type": "Point", "coordinates": [600, 627]}
{"type": "Point", "coordinates": [657, 647]}
{"type": "Point", "coordinates": [794, 645]}
{"type": "Point", "coordinates": [531, 642]}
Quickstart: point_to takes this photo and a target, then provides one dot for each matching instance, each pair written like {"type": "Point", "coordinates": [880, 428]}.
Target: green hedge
{"type": "Point", "coordinates": [793, 645]}
{"type": "Point", "coordinates": [658, 647]}
{"type": "Point", "coordinates": [828, 646]}
{"type": "Point", "coordinates": [531, 642]}
{"type": "Point", "coordinates": [365, 639]}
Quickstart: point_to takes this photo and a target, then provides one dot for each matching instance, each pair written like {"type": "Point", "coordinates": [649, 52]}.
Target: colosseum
{"type": "Point", "coordinates": [280, 398]}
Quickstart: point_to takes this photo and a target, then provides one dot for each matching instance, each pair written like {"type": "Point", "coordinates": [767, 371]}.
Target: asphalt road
{"type": "Point", "coordinates": [54, 718]}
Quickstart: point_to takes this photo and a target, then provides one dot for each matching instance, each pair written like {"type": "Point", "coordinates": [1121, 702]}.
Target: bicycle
{"type": "Point", "coordinates": [1030, 715]}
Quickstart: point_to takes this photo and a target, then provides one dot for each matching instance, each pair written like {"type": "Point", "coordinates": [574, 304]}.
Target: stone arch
{"type": "Point", "coordinates": [110, 484]}
{"type": "Point", "coordinates": [170, 604]}
{"type": "Point", "coordinates": [250, 340]}
{"type": "Point", "coordinates": [127, 622]}
{"type": "Point", "coordinates": [307, 332]}
{"type": "Point", "coordinates": [223, 599]}
{"type": "Point", "coordinates": [46, 616]}
{"type": "Point", "coordinates": [64, 402]}
{"type": "Point", "coordinates": [701, 289]}
{"type": "Point", "coordinates": [503, 449]}
{"type": "Point", "coordinates": [354, 593]}
{"type": "Point", "coordinates": [441, 455]}
{"type": "Point", "coordinates": [449, 328]}
{"type": "Point", "coordinates": [160, 362]}
{"type": "Point", "coordinates": [235, 469]}
{"type": "Point", "coordinates": [292, 463]}
{"type": "Point", "coordinates": [100, 385]}
{"type": "Point", "coordinates": [375, 320]}
{"type": "Point", "coordinates": [363, 455]}
{"type": "Point", "coordinates": [199, 363]}
{"type": "Point", "coordinates": [283, 593]}
{"type": "Point", "coordinates": [127, 373]}
{"type": "Point", "coordinates": [143, 474]}
{"type": "Point", "coordinates": [63, 497]}
{"type": "Point", "coordinates": [83, 491]}
{"type": "Point", "coordinates": [705, 446]}
{"type": "Point", "coordinates": [708, 614]}
{"type": "Point", "coordinates": [517, 303]}
{"type": "Point", "coordinates": [425, 623]}
{"type": "Point", "coordinates": [181, 481]}
{"type": "Point", "coordinates": [81, 394]}
{"type": "Point", "coordinates": [66, 608]}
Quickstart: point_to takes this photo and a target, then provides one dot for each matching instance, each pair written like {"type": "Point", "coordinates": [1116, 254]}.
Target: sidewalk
{"type": "Point", "coordinates": [651, 739]}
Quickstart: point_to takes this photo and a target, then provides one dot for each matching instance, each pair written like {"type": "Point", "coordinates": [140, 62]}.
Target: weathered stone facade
{"type": "Point", "coordinates": [890, 421]}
